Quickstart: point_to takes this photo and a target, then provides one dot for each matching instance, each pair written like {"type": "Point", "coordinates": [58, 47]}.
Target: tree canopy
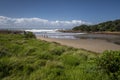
{"type": "Point", "coordinates": [105, 26]}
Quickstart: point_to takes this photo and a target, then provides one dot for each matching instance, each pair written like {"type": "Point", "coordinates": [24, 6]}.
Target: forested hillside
{"type": "Point", "coordinates": [105, 26]}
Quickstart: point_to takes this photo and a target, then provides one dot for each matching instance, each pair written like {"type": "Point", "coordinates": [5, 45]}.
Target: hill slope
{"type": "Point", "coordinates": [105, 26]}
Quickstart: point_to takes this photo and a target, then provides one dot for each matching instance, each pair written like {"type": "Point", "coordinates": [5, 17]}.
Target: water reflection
{"type": "Point", "coordinates": [111, 38]}
{"type": "Point", "coordinates": [59, 35]}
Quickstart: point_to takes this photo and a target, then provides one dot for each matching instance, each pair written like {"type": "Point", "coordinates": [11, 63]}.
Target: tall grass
{"type": "Point", "coordinates": [23, 58]}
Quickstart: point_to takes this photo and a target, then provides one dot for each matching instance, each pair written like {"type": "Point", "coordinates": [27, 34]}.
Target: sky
{"type": "Point", "coordinates": [57, 13]}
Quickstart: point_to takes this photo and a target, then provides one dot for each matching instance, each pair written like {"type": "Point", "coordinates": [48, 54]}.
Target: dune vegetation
{"type": "Point", "coordinates": [23, 57]}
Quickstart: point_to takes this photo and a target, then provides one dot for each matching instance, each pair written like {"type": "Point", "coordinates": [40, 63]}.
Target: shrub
{"type": "Point", "coordinates": [109, 62]}
{"type": "Point", "coordinates": [29, 35]}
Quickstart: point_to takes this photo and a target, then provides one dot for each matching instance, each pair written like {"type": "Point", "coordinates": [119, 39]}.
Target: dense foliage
{"type": "Point", "coordinates": [29, 35]}
{"type": "Point", "coordinates": [109, 62]}
{"type": "Point", "coordinates": [105, 26]}
{"type": "Point", "coordinates": [25, 58]}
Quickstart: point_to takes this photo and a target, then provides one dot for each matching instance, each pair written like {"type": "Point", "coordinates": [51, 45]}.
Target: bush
{"type": "Point", "coordinates": [109, 62]}
{"type": "Point", "coordinates": [29, 35]}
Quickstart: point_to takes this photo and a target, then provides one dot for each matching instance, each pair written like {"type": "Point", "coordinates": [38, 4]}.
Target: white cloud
{"type": "Point", "coordinates": [6, 22]}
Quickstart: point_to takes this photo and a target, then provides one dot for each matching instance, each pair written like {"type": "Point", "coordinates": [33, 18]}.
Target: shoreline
{"type": "Point", "coordinates": [94, 45]}
{"type": "Point", "coordinates": [103, 32]}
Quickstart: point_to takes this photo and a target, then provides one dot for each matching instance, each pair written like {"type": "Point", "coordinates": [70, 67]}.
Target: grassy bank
{"type": "Point", "coordinates": [25, 58]}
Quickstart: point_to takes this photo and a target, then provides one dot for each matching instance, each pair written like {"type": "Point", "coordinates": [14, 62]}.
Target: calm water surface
{"type": "Point", "coordinates": [53, 33]}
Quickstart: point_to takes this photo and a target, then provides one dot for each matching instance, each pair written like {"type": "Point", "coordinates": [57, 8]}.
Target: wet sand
{"type": "Point", "coordinates": [94, 45]}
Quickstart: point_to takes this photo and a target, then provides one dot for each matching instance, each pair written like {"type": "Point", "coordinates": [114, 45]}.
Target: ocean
{"type": "Point", "coordinates": [53, 33]}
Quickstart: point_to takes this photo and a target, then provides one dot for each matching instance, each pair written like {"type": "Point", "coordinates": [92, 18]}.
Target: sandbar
{"type": "Point", "coordinates": [94, 45]}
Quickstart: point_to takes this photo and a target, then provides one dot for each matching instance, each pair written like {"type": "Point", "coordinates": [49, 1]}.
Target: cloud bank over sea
{"type": "Point", "coordinates": [37, 23]}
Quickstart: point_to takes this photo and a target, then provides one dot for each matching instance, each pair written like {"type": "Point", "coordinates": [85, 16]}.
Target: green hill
{"type": "Point", "coordinates": [105, 26]}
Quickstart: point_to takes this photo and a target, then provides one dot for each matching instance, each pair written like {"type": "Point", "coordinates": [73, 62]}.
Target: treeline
{"type": "Point", "coordinates": [105, 26]}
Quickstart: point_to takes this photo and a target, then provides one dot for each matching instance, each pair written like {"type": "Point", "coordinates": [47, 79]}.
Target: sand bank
{"type": "Point", "coordinates": [94, 45]}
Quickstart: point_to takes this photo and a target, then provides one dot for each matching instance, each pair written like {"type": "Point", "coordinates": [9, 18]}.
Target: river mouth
{"type": "Point", "coordinates": [54, 33]}
{"type": "Point", "coordinates": [108, 37]}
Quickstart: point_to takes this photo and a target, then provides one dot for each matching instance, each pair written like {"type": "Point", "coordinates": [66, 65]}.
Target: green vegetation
{"type": "Point", "coordinates": [25, 58]}
{"type": "Point", "coordinates": [109, 62]}
{"type": "Point", "coordinates": [105, 26]}
{"type": "Point", "coordinates": [29, 35]}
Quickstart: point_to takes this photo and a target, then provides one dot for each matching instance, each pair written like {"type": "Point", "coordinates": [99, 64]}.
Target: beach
{"type": "Point", "coordinates": [94, 45]}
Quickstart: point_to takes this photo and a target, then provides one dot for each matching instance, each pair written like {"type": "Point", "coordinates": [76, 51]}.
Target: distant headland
{"type": "Point", "coordinates": [108, 27]}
